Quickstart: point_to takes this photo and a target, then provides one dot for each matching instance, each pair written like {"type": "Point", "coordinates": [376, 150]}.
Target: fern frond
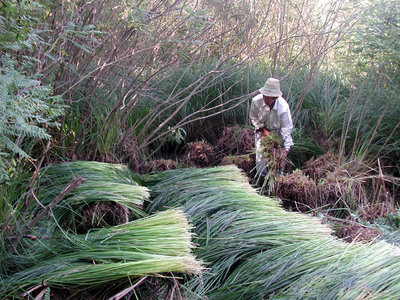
{"type": "Point", "coordinates": [27, 108]}
{"type": "Point", "coordinates": [10, 145]}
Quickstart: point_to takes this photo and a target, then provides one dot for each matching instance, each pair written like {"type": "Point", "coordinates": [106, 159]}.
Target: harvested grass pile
{"type": "Point", "coordinates": [144, 247]}
{"type": "Point", "coordinates": [273, 153]}
{"type": "Point", "coordinates": [256, 250]}
{"type": "Point", "coordinates": [199, 154]}
{"type": "Point", "coordinates": [104, 183]}
{"type": "Point", "coordinates": [236, 140]}
{"type": "Point", "coordinates": [297, 190]}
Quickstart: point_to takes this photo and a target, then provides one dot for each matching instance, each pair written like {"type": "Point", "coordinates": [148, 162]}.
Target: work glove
{"type": "Point", "coordinates": [259, 130]}
{"type": "Point", "coordinates": [263, 131]}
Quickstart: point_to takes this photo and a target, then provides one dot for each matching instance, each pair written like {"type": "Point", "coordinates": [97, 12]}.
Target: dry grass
{"type": "Point", "coordinates": [131, 154]}
{"type": "Point", "coordinates": [318, 168]}
{"type": "Point", "coordinates": [244, 162]}
{"type": "Point", "coordinates": [297, 190]}
{"type": "Point", "coordinates": [236, 140]}
{"type": "Point", "coordinates": [356, 232]}
{"type": "Point", "coordinates": [161, 165]}
{"type": "Point", "coordinates": [199, 154]}
{"type": "Point", "coordinates": [101, 214]}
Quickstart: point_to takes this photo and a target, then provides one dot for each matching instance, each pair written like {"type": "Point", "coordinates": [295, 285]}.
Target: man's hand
{"type": "Point", "coordinates": [263, 131]}
{"type": "Point", "coordinates": [284, 161]}
{"type": "Point", "coordinates": [286, 153]}
{"type": "Point", "coordinates": [258, 130]}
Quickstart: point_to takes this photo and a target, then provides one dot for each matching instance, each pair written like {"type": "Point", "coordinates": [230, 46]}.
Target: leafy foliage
{"type": "Point", "coordinates": [16, 22]}
{"type": "Point", "coordinates": [27, 110]}
{"type": "Point", "coordinates": [376, 39]}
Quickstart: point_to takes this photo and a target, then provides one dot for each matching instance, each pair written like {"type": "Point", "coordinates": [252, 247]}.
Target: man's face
{"type": "Point", "coordinates": [270, 101]}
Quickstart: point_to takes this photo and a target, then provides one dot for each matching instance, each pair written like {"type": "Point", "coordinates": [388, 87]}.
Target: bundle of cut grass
{"type": "Point", "coordinates": [148, 246]}
{"type": "Point", "coordinates": [255, 249]}
{"type": "Point", "coordinates": [111, 183]}
{"type": "Point", "coordinates": [273, 152]}
{"type": "Point", "coordinates": [203, 192]}
{"type": "Point", "coordinates": [320, 269]}
{"type": "Point", "coordinates": [232, 220]}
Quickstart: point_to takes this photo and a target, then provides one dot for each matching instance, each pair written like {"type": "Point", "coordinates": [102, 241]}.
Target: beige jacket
{"type": "Point", "coordinates": [277, 119]}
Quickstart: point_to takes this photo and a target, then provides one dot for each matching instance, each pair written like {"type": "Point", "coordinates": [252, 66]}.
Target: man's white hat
{"type": "Point", "coordinates": [271, 88]}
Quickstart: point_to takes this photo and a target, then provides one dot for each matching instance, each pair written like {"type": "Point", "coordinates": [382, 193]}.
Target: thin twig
{"type": "Point", "coordinates": [76, 181]}
{"type": "Point", "coordinates": [122, 294]}
{"type": "Point", "coordinates": [33, 289]}
{"type": "Point", "coordinates": [40, 296]}
{"type": "Point", "coordinates": [36, 173]}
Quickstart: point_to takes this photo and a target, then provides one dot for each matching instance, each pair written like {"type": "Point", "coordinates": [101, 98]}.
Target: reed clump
{"type": "Point", "coordinates": [298, 191]}
{"type": "Point", "coordinates": [199, 154]}
{"type": "Point", "coordinates": [145, 247]}
{"type": "Point", "coordinates": [236, 140]}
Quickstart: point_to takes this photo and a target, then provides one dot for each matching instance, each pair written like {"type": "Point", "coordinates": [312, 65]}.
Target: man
{"type": "Point", "coordinates": [269, 110]}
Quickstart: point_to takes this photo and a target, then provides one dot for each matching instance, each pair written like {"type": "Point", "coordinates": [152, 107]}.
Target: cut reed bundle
{"type": "Point", "coordinates": [148, 246]}
{"type": "Point", "coordinates": [103, 183]}
{"type": "Point", "coordinates": [255, 249]}
{"type": "Point", "coordinates": [232, 220]}
{"type": "Point", "coordinates": [320, 269]}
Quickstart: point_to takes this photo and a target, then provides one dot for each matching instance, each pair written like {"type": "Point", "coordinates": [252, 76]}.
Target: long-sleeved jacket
{"type": "Point", "coordinates": [277, 119]}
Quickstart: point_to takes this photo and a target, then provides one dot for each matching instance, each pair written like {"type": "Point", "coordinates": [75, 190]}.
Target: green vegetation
{"type": "Point", "coordinates": [157, 244]}
{"type": "Point", "coordinates": [255, 249]}
{"type": "Point", "coordinates": [96, 97]}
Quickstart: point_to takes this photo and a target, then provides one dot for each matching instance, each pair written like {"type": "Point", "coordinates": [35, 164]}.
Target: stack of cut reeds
{"type": "Point", "coordinates": [147, 246]}
{"type": "Point", "coordinates": [54, 255]}
{"type": "Point", "coordinates": [104, 183]}
{"type": "Point", "coordinates": [255, 249]}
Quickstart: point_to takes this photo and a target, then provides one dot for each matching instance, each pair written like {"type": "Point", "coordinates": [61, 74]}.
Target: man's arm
{"type": "Point", "coordinates": [254, 109]}
{"type": "Point", "coordinates": [286, 129]}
